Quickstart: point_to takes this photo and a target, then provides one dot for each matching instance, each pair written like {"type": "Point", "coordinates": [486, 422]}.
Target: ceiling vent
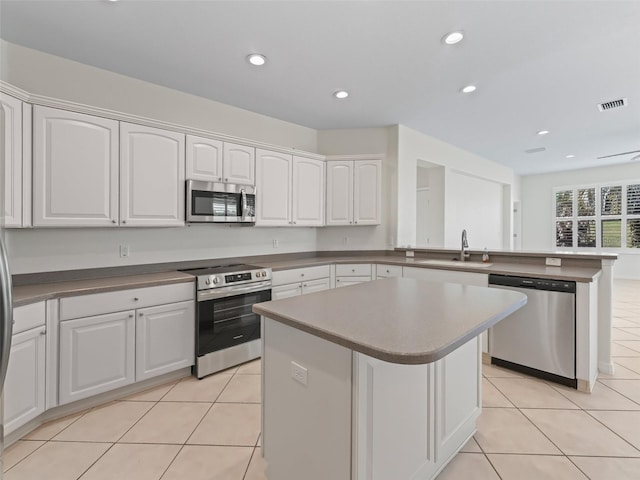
{"type": "Point", "coordinates": [535, 150]}
{"type": "Point", "coordinates": [621, 102]}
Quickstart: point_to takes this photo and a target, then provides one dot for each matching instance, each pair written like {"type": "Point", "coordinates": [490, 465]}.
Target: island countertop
{"type": "Point", "coordinates": [398, 320]}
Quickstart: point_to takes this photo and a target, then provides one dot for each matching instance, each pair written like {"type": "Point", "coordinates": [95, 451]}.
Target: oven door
{"type": "Point", "coordinates": [228, 321]}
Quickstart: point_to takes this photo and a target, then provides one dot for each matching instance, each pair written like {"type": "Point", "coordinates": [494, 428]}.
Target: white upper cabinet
{"type": "Point", "coordinates": [308, 192]}
{"type": "Point", "coordinates": [152, 173]}
{"type": "Point", "coordinates": [239, 163]}
{"type": "Point", "coordinates": [367, 195]}
{"type": "Point", "coordinates": [290, 190]}
{"type": "Point", "coordinates": [204, 159]}
{"type": "Point", "coordinates": [17, 163]}
{"type": "Point", "coordinates": [273, 188]}
{"type": "Point", "coordinates": [75, 169]}
{"type": "Point", "coordinates": [354, 192]}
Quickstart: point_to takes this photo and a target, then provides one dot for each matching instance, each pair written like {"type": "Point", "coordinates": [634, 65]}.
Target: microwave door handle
{"type": "Point", "coordinates": [244, 203]}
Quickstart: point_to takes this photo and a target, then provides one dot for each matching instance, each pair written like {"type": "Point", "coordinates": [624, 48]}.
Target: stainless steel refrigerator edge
{"type": "Point", "coordinates": [6, 304]}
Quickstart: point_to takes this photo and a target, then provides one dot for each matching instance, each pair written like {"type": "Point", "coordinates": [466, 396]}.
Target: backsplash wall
{"type": "Point", "coordinates": [41, 250]}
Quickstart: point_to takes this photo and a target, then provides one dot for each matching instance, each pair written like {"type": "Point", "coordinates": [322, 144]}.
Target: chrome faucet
{"type": "Point", "coordinates": [464, 250]}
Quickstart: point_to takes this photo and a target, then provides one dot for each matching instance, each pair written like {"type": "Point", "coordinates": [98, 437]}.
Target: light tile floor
{"type": "Point", "coordinates": [210, 429]}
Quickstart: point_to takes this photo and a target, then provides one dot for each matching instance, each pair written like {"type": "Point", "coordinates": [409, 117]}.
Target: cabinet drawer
{"type": "Point", "coordinates": [353, 270]}
{"type": "Point", "coordinates": [284, 277]}
{"type": "Point", "coordinates": [346, 281]}
{"type": "Point", "coordinates": [388, 270]}
{"type": "Point", "coordinates": [99, 303]}
{"type": "Point", "coordinates": [286, 291]}
{"type": "Point", "coordinates": [28, 316]}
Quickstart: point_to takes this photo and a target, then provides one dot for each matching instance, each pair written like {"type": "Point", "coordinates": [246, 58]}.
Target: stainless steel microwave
{"type": "Point", "coordinates": [212, 202]}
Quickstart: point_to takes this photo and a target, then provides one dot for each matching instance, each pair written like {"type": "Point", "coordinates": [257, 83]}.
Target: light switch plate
{"type": "Point", "coordinates": [553, 262]}
{"type": "Point", "coordinates": [410, 253]}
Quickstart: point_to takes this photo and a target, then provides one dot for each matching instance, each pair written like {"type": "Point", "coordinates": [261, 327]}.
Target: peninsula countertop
{"type": "Point", "coordinates": [398, 320]}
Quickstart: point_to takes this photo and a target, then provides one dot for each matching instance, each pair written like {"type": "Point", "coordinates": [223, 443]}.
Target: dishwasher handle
{"type": "Point", "coordinates": [533, 283]}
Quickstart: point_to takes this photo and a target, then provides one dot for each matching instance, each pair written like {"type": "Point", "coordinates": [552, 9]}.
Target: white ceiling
{"type": "Point", "coordinates": [537, 65]}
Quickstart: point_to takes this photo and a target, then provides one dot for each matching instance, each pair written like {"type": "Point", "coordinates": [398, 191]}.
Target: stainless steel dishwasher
{"type": "Point", "coordinates": [540, 338]}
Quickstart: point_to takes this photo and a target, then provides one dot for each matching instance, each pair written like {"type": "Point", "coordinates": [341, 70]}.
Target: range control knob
{"type": "Point", "coordinates": [207, 281]}
{"type": "Point", "coordinates": [216, 280]}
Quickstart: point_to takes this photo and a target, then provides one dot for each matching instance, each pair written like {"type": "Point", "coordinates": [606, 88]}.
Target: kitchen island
{"type": "Point", "coordinates": [374, 381]}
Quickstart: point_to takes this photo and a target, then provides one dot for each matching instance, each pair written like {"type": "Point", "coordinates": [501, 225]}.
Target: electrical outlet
{"type": "Point", "coordinates": [275, 243]}
{"type": "Point", "coordinates": [409, 253]}
{"type": "Point", "coordinates": [553, 262]}
{"type": "Point", "coordinates": [124, 251]}
{"type": "Point", "coordinates": [299, 373]}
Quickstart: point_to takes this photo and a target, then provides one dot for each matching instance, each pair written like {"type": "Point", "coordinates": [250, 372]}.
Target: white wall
{"type": "Point", "coordinates": [44, 74]}
{"type": "Point", "coordinates": [38, 250]}
{"type": "Point", "coordinates": [474, 204]}
{"type": "Point", "coordinates": [414, 146]}
{"type": "Point", "coordinates": [537, 208]}
{"type": "Point", "coordinates": [362, 141]}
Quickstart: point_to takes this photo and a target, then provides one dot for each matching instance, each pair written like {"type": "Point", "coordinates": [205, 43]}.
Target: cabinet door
{"type": "Point", "coordinates": [286, 291]}
{"type": "Point", "coordinates": [204, 159]}
{"type": "Point", "coordinates": [339, 193]}
{"type": "Point", "coordinates": [312, 286]}
{"type": "Point", "coordinates": [273, 188]}
{"type": "Point", "coordinates": [75, 169]}
{"type": "Point", "coordinates": [24, 384]}
{"type": "Point", "coordinates": [308, 192]}
{"type": "Point", "coordinates": [152, 176]}
{"type": "Point", "coordinates": [97, 354]}
{"type": "Point", "coordinates": [165, 339]}
{"type": "Point", "coordinates": [239, 164]}
{"type": "Point", "coordinates": [367, 185]}
{"type": "Point", "coordinates": [12, 108]}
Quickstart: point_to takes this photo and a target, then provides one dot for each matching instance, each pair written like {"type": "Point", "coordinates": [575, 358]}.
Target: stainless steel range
{"type": "Point", "coordinates": [227, 331]}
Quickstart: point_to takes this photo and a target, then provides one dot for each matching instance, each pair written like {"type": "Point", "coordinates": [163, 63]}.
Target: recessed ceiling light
{"type": "Point", "coordinates": [543, 132]}
{"type": "Point", "coordinates": [453, 38]}
{"type": "Point", "coordinates": [468, 89]}
{"type": "Point", "coordinates": [341, 94]}
{"type": "Point", "coordinates": [569, 156]}
{"type": "Point", "coordinates": [256, 59]}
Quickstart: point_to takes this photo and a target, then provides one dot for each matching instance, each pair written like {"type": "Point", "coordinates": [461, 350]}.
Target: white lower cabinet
{"type": "Point", "coordinates": [300, 281]}
{"type": "Point", "coordinates": [25, 381]}
{"type": "Point", "coordinates": [352, 273]}
{"type": "Point", "coordinates": [165, 339]}
{"type": "Point", "coordinates": [384, 271]}
{"type": "Point", "coordinates": [97, 354]}
{"type": "Point", "coordinates": [109, 340]}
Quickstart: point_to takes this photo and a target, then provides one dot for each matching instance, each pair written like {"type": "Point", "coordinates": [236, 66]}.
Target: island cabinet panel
{"type": "Point", "coordinates": [458, 400]}
{"type": "Point", "coordinates": [75, 169]}
{"type": "Point", "coordinates": [322, 406]}
{"type": "Point", "coordinates": [393, 402]}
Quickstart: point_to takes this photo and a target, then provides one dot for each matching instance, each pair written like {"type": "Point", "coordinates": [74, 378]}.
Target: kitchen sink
{"type": "Point", "coordinates": [453, 263]}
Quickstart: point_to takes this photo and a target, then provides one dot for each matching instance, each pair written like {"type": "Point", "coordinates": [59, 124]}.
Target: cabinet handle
{"type": "Point", "coordinates": [353, 270]}
{"type": "Point", "coordinates": [350, 221]}
{"type": "Point", "coordinates": [131, 315]}
{"type": "Point", "coordinates": [294, 223]}
{"type": "Point", "coordinates": [356, 222]}
{"type": "Point", "coordinates": [219, 178]}
{"type": "Point", "coordinates": [113, 221]}
{"type": "Point", "coordinates": [302, 274]}
{"type": "Point", "coordinates": [304, 285]}
{"type": "Point", "coordinates": [141, 314]}
{"type": "Point", "coordinates": [43, 332]}
{"type": "Point", "coordinates": [238, 337]}
{"type": "Point", "coordinates": [136, 298]}
{"type": "Point", "coordinates": [226, 179]}
{"type": "Point", "coordinates": [124, 221]}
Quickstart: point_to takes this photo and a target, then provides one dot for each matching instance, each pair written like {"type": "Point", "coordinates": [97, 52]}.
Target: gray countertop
{"type": "Point", "coordinates": [576, 274]}
{"type": "Point", "coordinates": [26, 294]}
{"type": "Point", "coordinates": [398, 320]}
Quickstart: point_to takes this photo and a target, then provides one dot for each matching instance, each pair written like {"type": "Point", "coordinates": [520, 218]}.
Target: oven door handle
{"type": "Point", "coordinates": [231, 291]}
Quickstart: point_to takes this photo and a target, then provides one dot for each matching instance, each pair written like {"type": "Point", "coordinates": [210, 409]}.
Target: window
{"type": "Point", "coordinates": [605, 216]}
